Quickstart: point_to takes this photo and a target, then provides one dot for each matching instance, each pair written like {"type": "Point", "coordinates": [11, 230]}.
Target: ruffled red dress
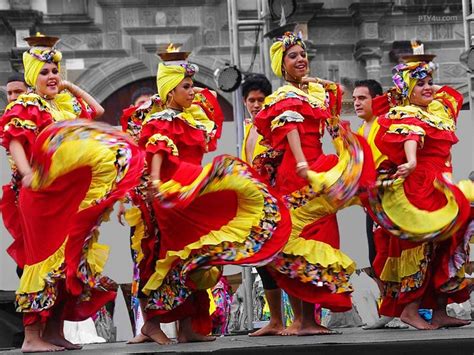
{"type": "Point", "coordinates": [423, 241]}
{"type": "Point", "coordinates": [79, 170]}
{"type": "Point", "coordinates": [311, 266]}
{"type": "Point", "coordinates": [208, 216]}
{"type": "Point", "coordinates": [145, 234]}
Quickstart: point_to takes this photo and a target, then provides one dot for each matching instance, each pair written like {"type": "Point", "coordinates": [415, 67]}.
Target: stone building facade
{"type": "Point", "coordinates": [109, 46]}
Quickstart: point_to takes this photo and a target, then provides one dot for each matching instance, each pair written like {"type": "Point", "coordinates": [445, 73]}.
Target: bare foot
{"type": "Point", "coordinates": [269, 329]}
{"type": "Point", "coordinates": [153, 331]}
{"type": "Point", "coordinates": [61, 342]}
{"type": "Point", "coordinates": [192, 337]}
{"type": "Point", "coordinates": [315, 329]}
{"type": "Point", "coordinates": [415, 320]}
{"type": "Point", "coordinates": [39, 345]}
{"type": "Point", "coordinates": [292, 329]}
{"type": "Point", "coordinates": [138, 339]}
{"type": "Point", "coordinates": [441, 319]}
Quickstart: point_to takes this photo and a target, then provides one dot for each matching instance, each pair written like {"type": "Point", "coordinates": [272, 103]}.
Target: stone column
{"type": "Point", "coordinates": [368, 49]}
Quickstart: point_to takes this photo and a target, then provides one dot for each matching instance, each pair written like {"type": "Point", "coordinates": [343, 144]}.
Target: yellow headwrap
{"type": "Point", "coordinates": [278, 49]}
{"type": "Point", "coordinates": [34, 59]}
{"type": "Point", "coordinates": [169, 76]}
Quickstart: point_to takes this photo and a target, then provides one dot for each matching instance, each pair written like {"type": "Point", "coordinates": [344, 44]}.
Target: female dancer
{"type": "Point", "coordinates": [65, 175]}
{"type": "Point", "coordinates": [311, 267]}
{"type": "Point", "coordinates": [423, 242]}
{"type": "Point", "coordinates": [211, 216]}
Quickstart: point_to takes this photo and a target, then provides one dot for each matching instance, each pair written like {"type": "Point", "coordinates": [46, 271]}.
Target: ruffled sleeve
{"type": "Point", "coordinates": [334, 94]}
{"type": "Point", "coordinates": [447, 102]}
{"type": "Point", "coordinates": [87, 112]}
{"type": "Point", "coordinates": [158, 136]}
{"type": "Point", "coordinates": [23, 120]}
{"type": "Point", "coordinates": [285, 111]}
{"type": "Point", "coordinates": [132, 117]}
{"type": "Point", "coordinates": [208, 102]}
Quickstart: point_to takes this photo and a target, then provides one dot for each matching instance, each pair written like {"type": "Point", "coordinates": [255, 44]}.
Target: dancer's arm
{"type": "Point", "coordinates": [21, 161]}
{"type": "Point", "coordinates": [410, 147]}
{"type": "Point", "coordinates": [78, 92]}
{"type": "Point", "coordinates": [156, 162]}
{"type": "Point", "coordinates": [295, 145]}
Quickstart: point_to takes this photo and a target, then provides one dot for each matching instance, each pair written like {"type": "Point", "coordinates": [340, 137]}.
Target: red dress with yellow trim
{"type": "Point", "coordinates": [141, 217]}
{"type": "Point", "coordinates": [80, 169]}
{"type": "Point", "coordinates": [423, 241]}
{"type": "Point", "coordinates": [208, 216]}
{"type": "Point", "coordinates": [311, 266]}
{"type": "Point", "coordinates": [23, 120]}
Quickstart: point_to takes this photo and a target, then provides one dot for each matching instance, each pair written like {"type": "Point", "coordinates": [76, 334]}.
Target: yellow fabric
{"type": "Point", "coordinates": [324, 180]}
{"type": "Point", "coordinates": [97, 254]}
{"type": "Point", "coordinates": [64, 105]}
{"type": "Point", "coordinates": [168, 77]}
{"type": "Point", "coordinates": [316, 95]}
{"type": "Point", "coordinates": [436, 115]}
{"type": "Point", "coordinates": [249, 213]}
{"type": "Point", "coordinates": [276, 57]}
{"type": "Point", "coordinates": [133, 216]}
{"type": "Point", "coordinates": [34, 276]}
{"type": "Point", "coordinates": [467, 188]}
{"type": "Point", "coordinates": [408, 79]}
{"type": "Point", "coordinates": [421, 222]}
{"type": "Point", "coordinates": [396, 268]}
{"type": "Point", "coordinates": [100, 158]}
{"type": "Point", "coordinates": [257, 150]}
{"type": "Point", "coordinates": [212, 302]}
{"type": "Point", "coordinates": [402, 128]}
{"type": "Point", "coordinates": [161, 138]}
{"type": "Point", "coordinates": [438, 108]}
{"type": "Point", "coordinates": [318, 207]}
{"type": "Point", "coordinates": [206, 278]}
{"type": "Point", "coordinates": [376, 153]}
{"type": "Point", "coordinates": [33, 65]}
{"type": "Point", "coordinates": [194, 116]}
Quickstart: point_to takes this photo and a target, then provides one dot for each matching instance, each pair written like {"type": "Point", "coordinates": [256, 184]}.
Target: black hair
{"type": "Point", "coordinates": [140, 92]}
{"type": "Point", "coordinates": [375, 89]}
{"type": "Point", "coordinates": [253, 82]}
{"type": "Point", "coordinates": [16, 76]}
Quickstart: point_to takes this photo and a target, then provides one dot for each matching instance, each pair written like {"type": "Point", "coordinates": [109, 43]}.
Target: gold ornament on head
{"type": "Point", "coordinates": [173, 54]}
{"type": "Point", "coordinates": [40, 40]}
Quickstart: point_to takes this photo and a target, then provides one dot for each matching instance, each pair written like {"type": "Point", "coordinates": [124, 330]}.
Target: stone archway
{"type": "Point", "coordinates": [113, 82]}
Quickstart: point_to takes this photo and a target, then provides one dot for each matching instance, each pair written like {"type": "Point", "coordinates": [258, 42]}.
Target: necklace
{"type": "Point", "coordinates": [299, 85]}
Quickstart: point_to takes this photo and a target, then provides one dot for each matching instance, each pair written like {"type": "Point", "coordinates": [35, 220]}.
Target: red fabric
{"type": "Point", "coordinates": [70, 308]}
{"type": "Point", "coordinates": [26, 136]}
{"type": "Point", "coordinates": [191, 144]}
{"type": "Point", "coordinates": [314, 121]}
{"type": "Point", "coordinates": [196, 307]}
{"type": "Point", "coordinates": [336, 302]}
{"type": "Point", "coordinates": [87, 112]}
{"type": "Point", "coordinates": [287, 181]}
{"type": "Point", "coordinates": [433, 160]}
{"type": "Point", "coordinates": [193, 221]}
{"type": "Point", "coordinates": [12, 222]}
{"type": "Point", "coordinates": [214, 112]}
{"type": "Point", "coordinates": [52, 214]}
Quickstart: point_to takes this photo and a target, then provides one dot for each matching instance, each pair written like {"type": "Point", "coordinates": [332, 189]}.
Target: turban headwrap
{"type": "Point", "coordinates": [405, 76]}
{"type": "Point", "coordinates": [34, 59]}
{"type": "Point", "coordinates": [278, 49]}
{"type": "Point", "coordinates": [169, 76]}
